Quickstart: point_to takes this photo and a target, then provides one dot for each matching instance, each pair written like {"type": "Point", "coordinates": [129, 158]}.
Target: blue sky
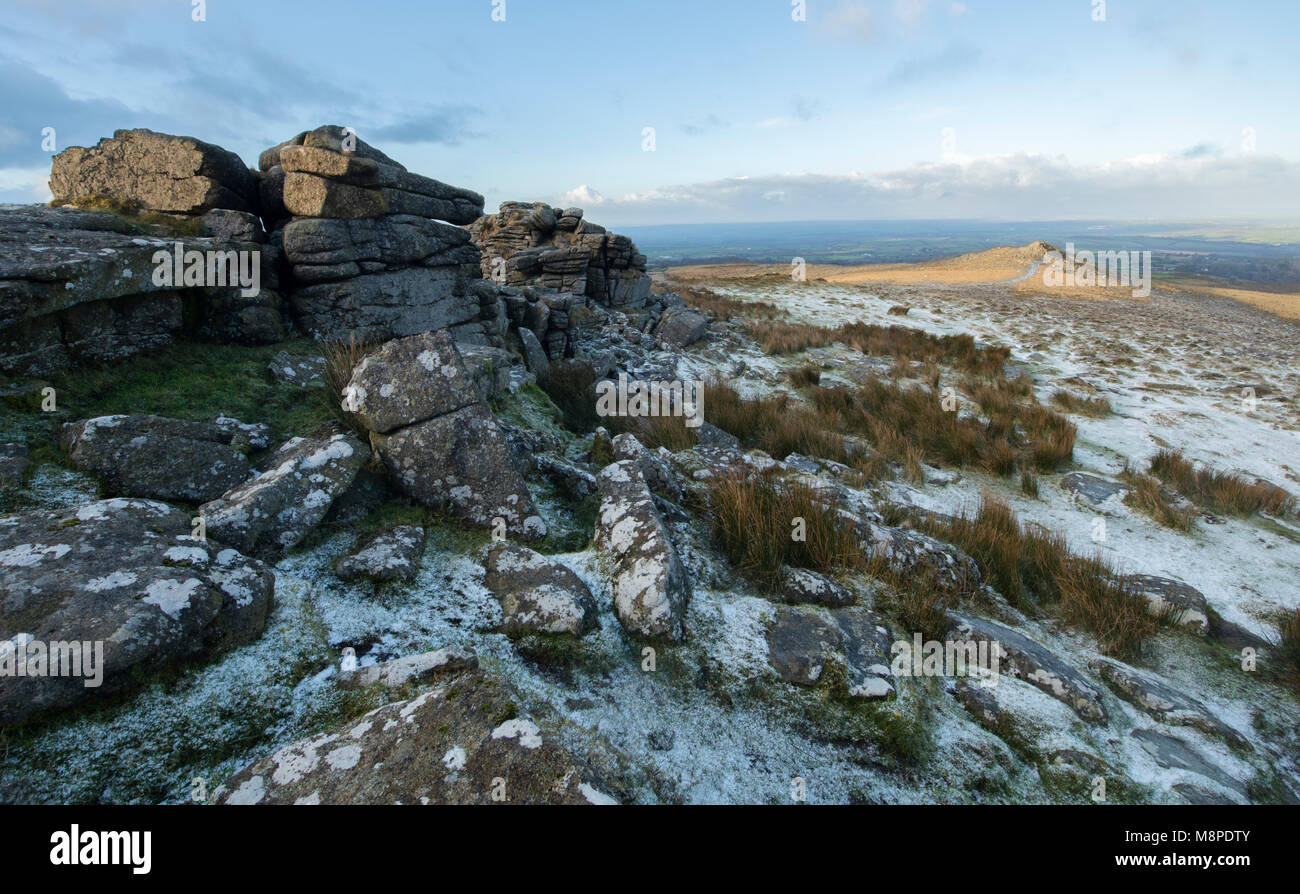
{"type": "Point", "coordinates": [868, 109]}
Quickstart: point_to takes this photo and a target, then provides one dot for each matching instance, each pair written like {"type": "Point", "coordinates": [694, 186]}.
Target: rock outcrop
{"type": "Point", "coordinates": [125, 575]}
{"type": "Point", "coordinates": [80, 287]}
{"type": "Point", "coordinates": [156, 172]}
{"type": "Point", "coordinates": [438, 440]}
{"type": "Point", "coordinates": [370, 255]}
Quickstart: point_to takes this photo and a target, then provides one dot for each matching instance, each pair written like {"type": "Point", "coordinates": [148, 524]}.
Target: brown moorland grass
{"type": "Point", "coordinates": [341, 358]}
{"type": "Point", "coordinates": [722, 307]}
{"type": "Point", "coordinates": [754, 519]}
{"type": "Point", "coordinates": [1084, 406]}
{"type": "Point", "coordinates": [1288, 646]}
{"type": "Point", "coordinates": [1033, 567]}
{"type": "Point", "coordinates": [1147, 496]}
{"type": "Point", "coordinates": [1225, 492]}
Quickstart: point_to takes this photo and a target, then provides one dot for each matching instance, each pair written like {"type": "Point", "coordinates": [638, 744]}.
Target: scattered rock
{"type": "Point", "coordinates": [801, 585]}
{"type": "Point", "coordinates": [800, 645]}
{"type": "Point", "coordinates": [407, 381]}
{"type": "Point", "coordinates": [273, 512]}
{"type": "Point", "coordinates": [125, 574]}
{"type": "Point", "coordinates": [681, 326]}
{"type": "Point", "coordinates": [1094, 488]}
{"type": "Point", "coordinates": [385, 555]}
{"type": "Point", "coordinates": [651, 587]}
{"type": "Point", "coordinates": [159, 458]}
{"type": "Point", "coordinates": [1034, 663]}
{"type": "Point", "coordinates": [462, 742]}
{"type": "Point", "coordinates": [1186, 604]}
{"type": "Point", "coordinates": [538, 595]}
{"type": "Point", "coordinates": [305, 371]}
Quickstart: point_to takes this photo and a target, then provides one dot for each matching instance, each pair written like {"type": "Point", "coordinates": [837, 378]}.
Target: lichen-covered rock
{"type": "Point", "coordinates": [385, 555]}
{"type": "Point", "coordinates": [274, 511]}
{"type": "Point", "coordinates": [124, 574]}
{"type": "Point", "coordinates": [461, 742]}
{"type": "Point", "coordinates": [1094, 488]}
{"type": "Point", "coordinates": [407, 381]}
{"type": "Point", "coordinates": [488, 367]}
{"type": "Point", "coordinates": [1186, 605]}
{"type": "Point", "coordinates": [159, 458]}
{"type": "Point", "coordinates": [801, 645]}
{"type": "Point", "coordinates": [538, 595]}
{"type": "Point", "coordinates": [654, 466]}
{"type": "Point", "coordinates": [681, 327]}
{"type": "Point", "coordinates": [651, 587]}
{"type": "Point", "coordinates": [459, 461]}
{"type": "Point", "coordinates": [801, 585]}
{"type": "Point", "coordinates": [1034, 663]}
{"type": "Point", "coordinates": [1162, 701]}
{"type": "Point", "coordinates": [157, 171]}
{"type": "Point", "coordinates": [411, 669]}
{"type": "Point", "coordinates": [914, 553]}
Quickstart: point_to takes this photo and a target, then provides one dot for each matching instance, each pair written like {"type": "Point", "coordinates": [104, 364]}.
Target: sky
{"type": "Point", "coordinates": [697, 111]}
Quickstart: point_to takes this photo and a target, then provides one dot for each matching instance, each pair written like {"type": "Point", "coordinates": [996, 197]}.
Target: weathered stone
{"type": "Point", "coordinates": [651, 587]}
{"type": "Point", "coordinates": [402, 672]}
{"type": "Point", "coordinates": [460, 461]}
{"type": "Point", "coordinates": [800, 646]}
{"type": "Point", "coordinates": [1185, 605]}
{"type": "Point", "coordinates": [802, 586]}
{"type": "Point", "coordinates": [233, 226]}
{"type": "Point", "coordinates": [386, 304]}
{"type": "Point", "coordinates": [914, 553]}
{"type": "Point", "coordinates": [409, 380]}
{"type": "Point", "coordinates": [159, 458]}
{"type": "Point", "coordinates": [1094, 488]}
{"type": "Point", "coordinates": [1162, 701]}
{"type": "Point", "coordinates": [538, 595]}
{"type": "Point", "coordinates": [488, 367]}
{"type": "Point", "coordinates": [157, 171]}
{"type": "Point", "coordinates": [535, 358]}
{"type": "Point", "coordinates": [274, 511]}
{"type": "Point", "coordinates": [305, 371]}
{"type": "Point", "coordinates": [680, 327]}
{"type": "Point", "coordinates": [1175, 754]}
{"type": "Point", "coordinates": [385, 555]}
{"type": "Point", "coordinates": [1034, 663]}
{"type": "Point", "coordinates": [448, 745]}
{"type": "Point", "coordinates": [326, 249]}
{"type": "Point", "coordinates": [124, 573]}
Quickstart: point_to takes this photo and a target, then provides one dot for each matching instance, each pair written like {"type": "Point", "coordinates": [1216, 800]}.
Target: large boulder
{"type": "Point", "coordinates": [681, 326]}
{"type": "Point", "coordinates": [385, 555]}
{"type": "Point", "coordinates": [120, 575]}
{"type": "Point", "coordinates": [160, 458]}
{"type": "Point", "coordinates": [157, 172]}
{"type": "Point", "coordinates": [409, 380]}
{"type": "Point", "coordinates": [329, 249]}
{"type": "Point", "coordinates": [274, 511]}
{"type": "Point", "coordinates": [462, 742]}
{"type": "Point", "coordinates": [538, 595]}
{"type": "Point", "coordinates": [651, 587]}
{"type": "Point", "coordinates": [803, 644]}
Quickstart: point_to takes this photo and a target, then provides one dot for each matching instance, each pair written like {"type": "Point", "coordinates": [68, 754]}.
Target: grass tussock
{"type": "Point", "coordinates": [1084, 406]}
{"type": "Point", "coordinates": [1288, 646]}
{"type": "Point", "coordinates": [1033, 567]}
{"type": "Point", "coordinates": [1225, 492]}
{"type": "Point", "coordinates": [761, 523]}
{"type": "Point", "coordinates": [722, 307]}
{"type": "Point", "coordinates": [341, 358]}
{"type": "Point", "coordinates": [960, 351]}
{"type": "Point", "coordinates": [1148, 497]}
{"type": "Point", "coordinates": [806, 376]}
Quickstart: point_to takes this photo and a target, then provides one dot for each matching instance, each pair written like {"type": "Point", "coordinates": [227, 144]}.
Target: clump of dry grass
{"type": "Point", "coordinates": [1288, 646]}
{"type": "Point", "coordinates": [1033, 566]}
{"type": "Point", "coordinates": [722, 307]}
{"type": "Point", "coordinates": [1225, 492]}
{"type": "Point", "coordinates": [1147, 496]}
{"type": "Point", "coordinates": [341, 358]}
{"type": "Point", "coordinates": [571, 387]}
{"type": "Point", "coordinates": [805, 376]}
{"type": "Point", "coordinates": [781, 337]}
{"type": "Point", "coordinates": [1084, 406]}
{"type": "Point", "coordinates": [756, 519]}
{"type": "Point", "coordinates": [656, 431]}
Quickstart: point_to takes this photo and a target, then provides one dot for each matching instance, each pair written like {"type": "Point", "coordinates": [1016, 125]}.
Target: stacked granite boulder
{"type": "Point", "coordinates": [551, 263]}
{"type": "Point", "coordinates": [370, 246]}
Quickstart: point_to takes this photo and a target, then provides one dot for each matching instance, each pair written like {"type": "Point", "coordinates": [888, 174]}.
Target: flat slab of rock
{"type": "Point", "coordinates": [651, 587]}
{"type": "Point", "coordinates": [1034, 663]}
{"type": "Point", "coordinates": [387, 555]}
{"type": "Point", "coordinates": [538, 595]}
{"type": "Point", "coordinates": [420, 668]}
{"type": "Point", "coordinates": [125, 574]}
{"type": "Point", "coordinates": [1186, 604]}
{"type": "Point", "coordinates": [462, 742]}
{"type": "Point", "coordinates": [1174, 754]}
{"type": "Point", "coordinates": [1162, 701]}
{"type": "Point", "coordinates": [803, 643]}
{"type": "Point", "coordinates": [1094, 488]}
{"type": "Point", "coordinates": [160, 458]}
{"type": "Point", "coordinates": [159, 171]}
{"type": "Point", "coordinates": [273, 512]}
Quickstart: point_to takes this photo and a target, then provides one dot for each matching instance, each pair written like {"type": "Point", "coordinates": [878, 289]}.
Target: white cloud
{"type": "Point", "coordinates": [25, 185]}
{"type": "Point", "coordinates": [582, 196]}
{"type": "Point", "coordinates": [1020, 186]}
